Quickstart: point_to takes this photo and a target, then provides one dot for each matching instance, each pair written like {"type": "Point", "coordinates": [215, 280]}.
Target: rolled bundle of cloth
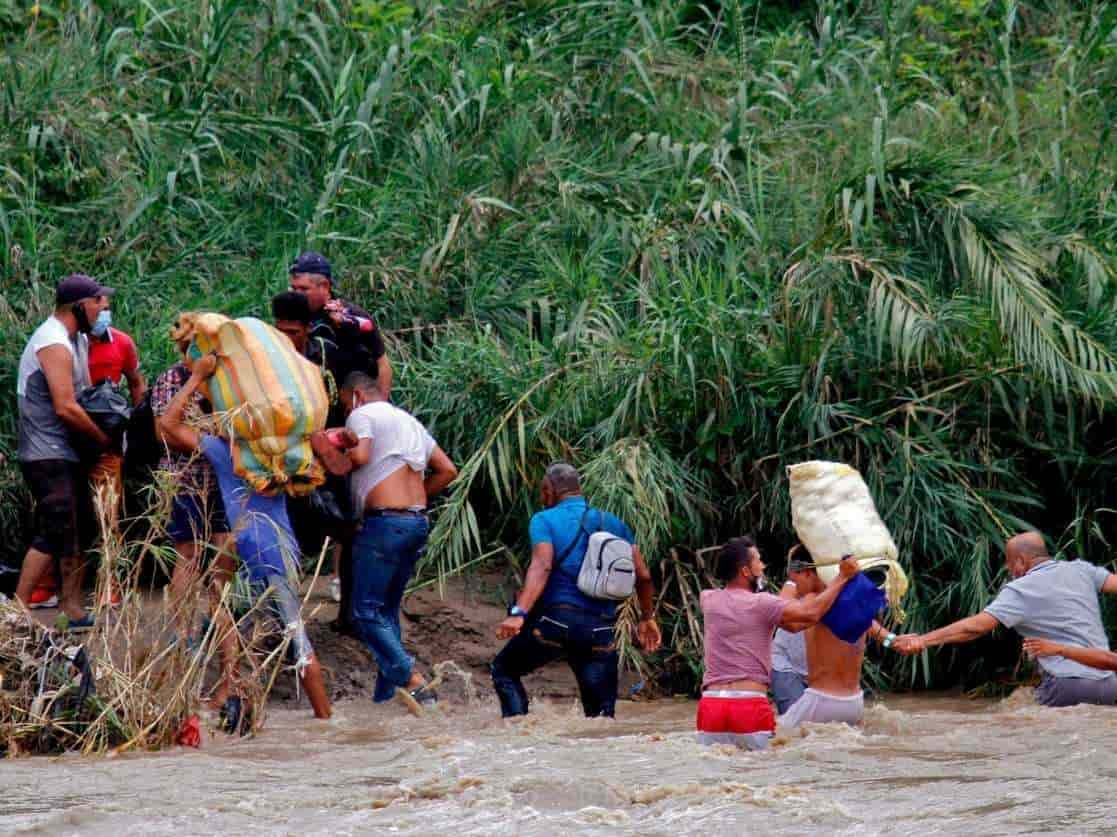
{"type": "Point", "coordinates": [268, 398]}
{"type": "Point", "coordinates": [834, 515]}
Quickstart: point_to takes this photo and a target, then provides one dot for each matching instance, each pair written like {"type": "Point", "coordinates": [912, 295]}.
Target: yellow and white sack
{"type": "Point", "coordinates": [834, 515]}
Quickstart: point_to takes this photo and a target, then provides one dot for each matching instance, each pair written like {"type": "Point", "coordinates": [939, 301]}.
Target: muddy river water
{"type": "Point", "coordinates": [926, 765]}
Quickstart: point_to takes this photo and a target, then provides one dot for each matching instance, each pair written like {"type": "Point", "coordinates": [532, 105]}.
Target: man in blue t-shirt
{"type": "Point", "coordinates": [552, 618]}
{"type": "Point", "coordinates": [262, 531]}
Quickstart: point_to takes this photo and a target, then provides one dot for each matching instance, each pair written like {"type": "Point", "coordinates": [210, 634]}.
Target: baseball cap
{"type": "Point", "coordinates": [311, 262]}
{"type": "Point", "coordinates": [78, 286]}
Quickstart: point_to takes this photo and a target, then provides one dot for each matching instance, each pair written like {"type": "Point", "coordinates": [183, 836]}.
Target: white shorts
{"type": "Point", "coordinates": [817, 707]}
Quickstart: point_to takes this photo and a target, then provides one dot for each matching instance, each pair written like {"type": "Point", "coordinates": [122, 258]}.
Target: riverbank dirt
{"type": "Point", "coordinates": [455, 624]}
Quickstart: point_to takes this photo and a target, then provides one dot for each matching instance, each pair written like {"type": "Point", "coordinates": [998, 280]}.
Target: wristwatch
{"type": "Point", "coordinates": [516, 610]}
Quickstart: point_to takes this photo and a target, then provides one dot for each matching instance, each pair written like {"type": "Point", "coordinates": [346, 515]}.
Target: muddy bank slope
{"type": "Point", "coordinates": [456, 624]}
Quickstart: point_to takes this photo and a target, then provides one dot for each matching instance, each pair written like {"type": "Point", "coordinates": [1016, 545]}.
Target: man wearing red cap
{"type": "Point", "coordinates": [53, 368]}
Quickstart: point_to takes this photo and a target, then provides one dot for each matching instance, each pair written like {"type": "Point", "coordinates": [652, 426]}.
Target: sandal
{"type": "Point", "coordinates": [418, 699]}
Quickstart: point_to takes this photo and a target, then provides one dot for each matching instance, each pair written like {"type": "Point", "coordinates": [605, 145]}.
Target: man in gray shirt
{"type": "Point", "coordinates": [1051, 600]}
{"type": "Point", "coordinates": [53, 368]}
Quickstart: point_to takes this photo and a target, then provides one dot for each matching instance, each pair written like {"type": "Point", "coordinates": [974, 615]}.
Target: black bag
{"type": "Point", "coordinates": [143, 449]}
{"type": "Point", "coordinates": [326, 510]}
{"type": "Point", "coordinates": [109, 410]}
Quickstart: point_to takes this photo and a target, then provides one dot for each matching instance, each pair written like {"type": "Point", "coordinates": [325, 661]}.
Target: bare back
{"type": "Point", "coordinates": [833, 666]}
{"type": "Point", "coordinates": [403, 489]}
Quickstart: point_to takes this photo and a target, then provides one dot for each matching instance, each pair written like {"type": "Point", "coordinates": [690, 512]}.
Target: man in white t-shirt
{"type": "Point", "coordinates": [390, 487]}
{"type": "Point", "coordinates": [53, 368]}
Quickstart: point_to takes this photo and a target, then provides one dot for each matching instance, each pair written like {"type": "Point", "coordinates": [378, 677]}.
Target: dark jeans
{"type": "Point", "coordinates": [1071, 691]}
{"type": "Point", "coordinates": [561, 631]}
{"type": "Point", "coordinates": [385, 551]}
{"type": "Point", "coordinates": [787, 687]}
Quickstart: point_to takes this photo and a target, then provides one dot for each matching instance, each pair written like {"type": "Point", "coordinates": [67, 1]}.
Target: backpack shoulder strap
{"type": "Point", "coordinates": [570, 547]}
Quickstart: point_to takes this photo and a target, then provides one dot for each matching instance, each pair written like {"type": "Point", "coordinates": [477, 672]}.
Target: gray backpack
{"type": "Point", "coordinates": [608, 570]}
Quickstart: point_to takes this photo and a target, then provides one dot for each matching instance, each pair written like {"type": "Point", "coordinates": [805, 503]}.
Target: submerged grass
{"type": "Point", "coordinates": [680, 244]}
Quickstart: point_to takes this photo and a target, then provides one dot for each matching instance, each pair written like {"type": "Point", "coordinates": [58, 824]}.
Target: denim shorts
{"type": "Point", "coordinates": [195, 516]}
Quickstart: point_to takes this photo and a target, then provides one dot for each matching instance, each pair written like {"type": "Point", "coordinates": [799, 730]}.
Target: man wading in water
{"type": "Point", "coordinates": [351, 341]}
{"type": "Point", "coordinates": [265, 543]}
{"type": "Point", "coordinates": [739, 620]}
{"type": "Point", "coordinates": [552, 618]}
{"type": "Point", "coordinates": [833, 693]}
{"type": "Point", "coordinates": [1047, 600]}
{"type": "Point", "coordinates": [789, 650]}
{"type": "Point", "coordinates": [390, 491]}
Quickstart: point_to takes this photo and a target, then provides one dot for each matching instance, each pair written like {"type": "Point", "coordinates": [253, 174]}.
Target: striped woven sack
{"type": "Point", "coordinates": [268, 398]}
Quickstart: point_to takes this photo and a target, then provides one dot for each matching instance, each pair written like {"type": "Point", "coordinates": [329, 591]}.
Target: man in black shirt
{"type": "Point", "coordinates": [349, 327]}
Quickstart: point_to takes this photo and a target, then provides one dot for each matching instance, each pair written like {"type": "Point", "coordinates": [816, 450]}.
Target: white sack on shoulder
{"type": "Point", "coordinates": [834, 515]}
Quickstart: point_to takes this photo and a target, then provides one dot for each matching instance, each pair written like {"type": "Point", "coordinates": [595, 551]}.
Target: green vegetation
{"type": "Point", "coordinates": [682, 244]}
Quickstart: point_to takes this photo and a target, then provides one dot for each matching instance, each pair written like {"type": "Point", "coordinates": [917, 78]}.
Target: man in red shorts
{"type": "Point", "coordinates": [739, 621]}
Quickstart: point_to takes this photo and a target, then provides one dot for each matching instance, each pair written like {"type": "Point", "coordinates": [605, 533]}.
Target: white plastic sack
{"type": "Point", "coordinates": [834, 515]}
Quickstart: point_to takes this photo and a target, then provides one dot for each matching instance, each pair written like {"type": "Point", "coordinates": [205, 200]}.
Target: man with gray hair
{"type": "Point", "coordinates": [1051, 600]}
{"type": "Point", "coordinates": [552, 618]}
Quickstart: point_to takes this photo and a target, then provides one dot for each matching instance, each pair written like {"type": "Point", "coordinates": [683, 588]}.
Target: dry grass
{"type": "Point", "coordinates": [142, 671]}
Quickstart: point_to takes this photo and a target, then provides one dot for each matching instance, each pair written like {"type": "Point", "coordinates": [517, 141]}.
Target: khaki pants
{"type": "Point", "coordinates": [106, 481]}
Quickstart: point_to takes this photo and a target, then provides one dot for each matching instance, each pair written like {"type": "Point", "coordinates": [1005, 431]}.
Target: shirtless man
{"type": "Point", "coordinates": [398, 468]}
{"type": "Point", "coordinates": [833, 691]}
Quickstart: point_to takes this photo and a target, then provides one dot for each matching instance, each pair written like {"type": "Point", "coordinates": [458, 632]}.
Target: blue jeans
{"type": "Point", "coordinates": [787, 687]}
{"type": "Point", "coordinates": [560, 631]}
{"type": "Point", "coordinates": [385, 552]}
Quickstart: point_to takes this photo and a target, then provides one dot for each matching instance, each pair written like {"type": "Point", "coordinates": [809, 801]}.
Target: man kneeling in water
{"type": "Point", "coordinates": [833, 693]}
{"type": "Point", "coordinates": [261, 528]}
{"type": "Point", "coordinates": [739, 620]}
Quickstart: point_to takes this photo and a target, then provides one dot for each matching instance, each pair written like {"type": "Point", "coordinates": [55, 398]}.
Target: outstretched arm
{"type": "Point", "coordinates": [647, 629]}
{"type": "Point", "coordinates": [1097, 658]}
{"type": "Point", "coordinates": [1110, 585]}
{"type": "Point", "coordinates": [964, 630]}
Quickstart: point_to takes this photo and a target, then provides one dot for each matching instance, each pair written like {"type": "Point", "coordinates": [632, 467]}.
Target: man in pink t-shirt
{"type": "Point", "coordinates": [739, 622]}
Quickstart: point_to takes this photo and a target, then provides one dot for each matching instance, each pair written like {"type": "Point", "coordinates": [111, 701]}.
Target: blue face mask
{"type": "Point", "coordinates": [102, 323]}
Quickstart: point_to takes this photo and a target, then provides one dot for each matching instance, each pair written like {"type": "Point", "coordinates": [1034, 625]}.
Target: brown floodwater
{"type": "Point", "coordinates": [920, 765]}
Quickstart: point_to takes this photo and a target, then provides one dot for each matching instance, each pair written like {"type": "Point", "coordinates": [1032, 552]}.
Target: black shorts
{"type": "Point", "coordinates": [63, 506]}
